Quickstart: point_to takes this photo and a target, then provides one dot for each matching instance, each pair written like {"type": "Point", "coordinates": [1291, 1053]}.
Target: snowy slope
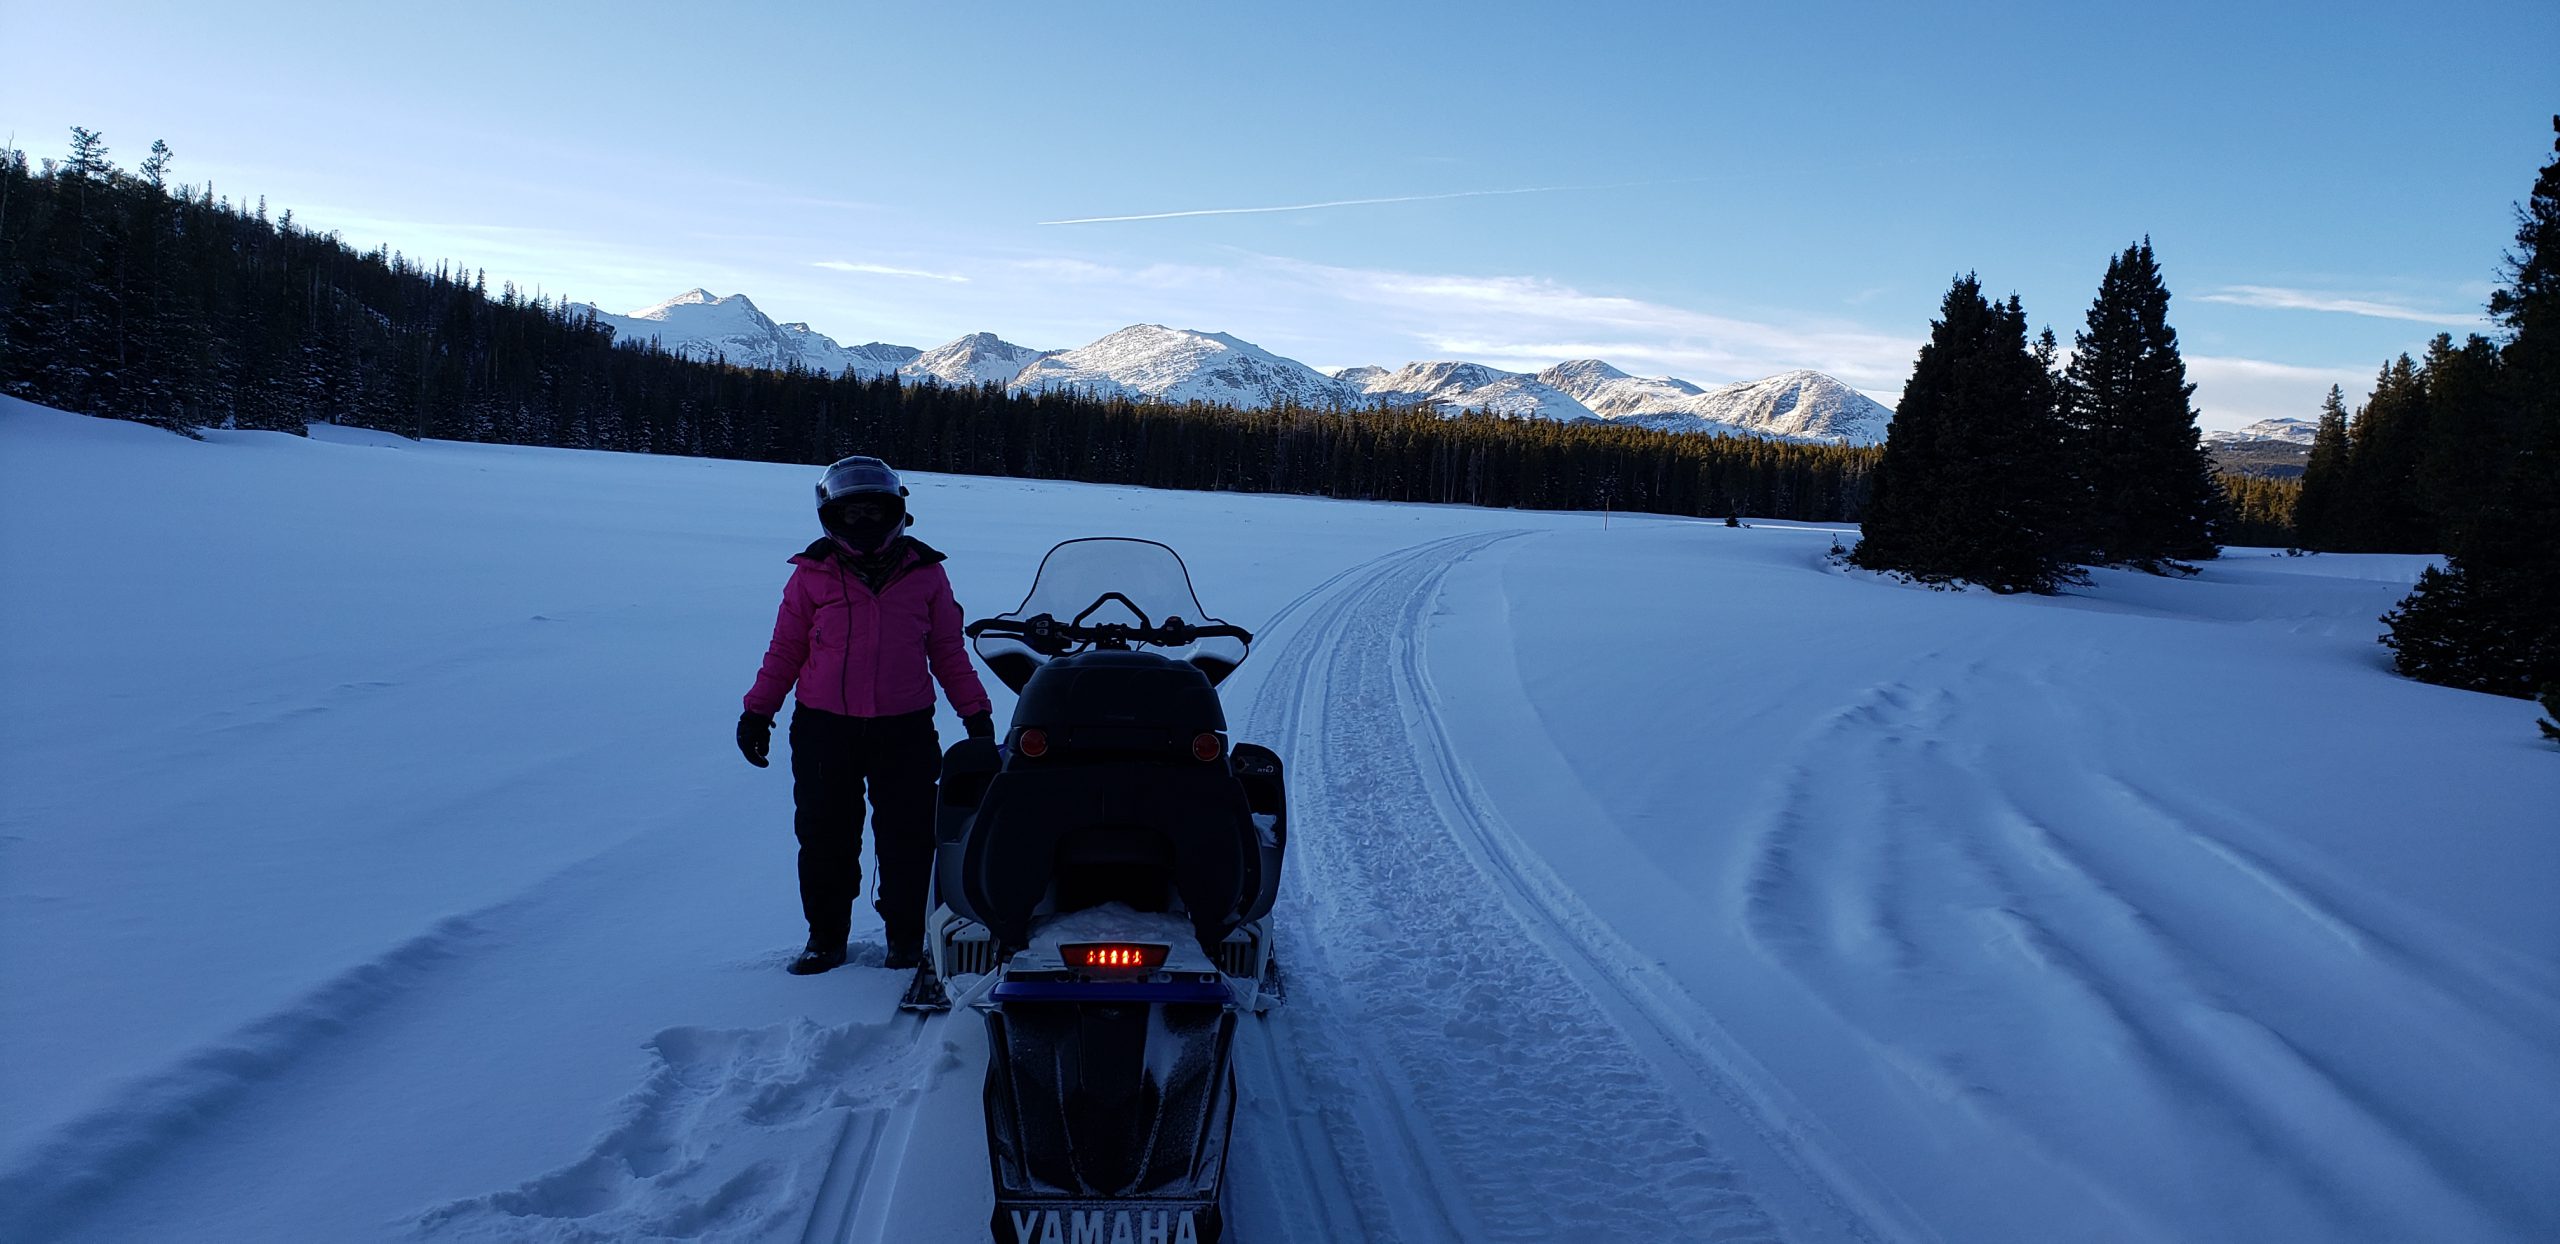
{"type": "Point", "coordinates": [1182, 365]}
{"type": "Point", "coordinates": [699, 324]}
{"type": "Point", "coordinates": [423, 896]}
{"type": "Point", "coordinates": [1454, 387]}
{"type": "Point", "coordinates": [820, 353]}
{"type": "Point", "coordinates": [1796, 405]}
{"type": "Point", "coordinates": [2288, 431]}
{"type": "Point", "coordinates": [979, 358]}
{"type": "Point", "coordinates": [1611, 393]}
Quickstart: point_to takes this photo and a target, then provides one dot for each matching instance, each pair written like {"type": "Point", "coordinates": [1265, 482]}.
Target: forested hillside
{"type": "Point", "coordinates": [124, 294]}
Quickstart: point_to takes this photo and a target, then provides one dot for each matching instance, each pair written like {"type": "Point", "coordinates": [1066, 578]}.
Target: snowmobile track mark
{"type": "Point", "coordinates": [1467, 1030]}
{"type": "Point", "coordinates": [870, 1148]}
{"type": "Point", "coordinates": [1353, 1151]}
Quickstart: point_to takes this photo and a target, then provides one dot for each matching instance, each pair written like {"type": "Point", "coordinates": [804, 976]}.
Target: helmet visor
{"type": "Point", "coordinates": [855, 476]}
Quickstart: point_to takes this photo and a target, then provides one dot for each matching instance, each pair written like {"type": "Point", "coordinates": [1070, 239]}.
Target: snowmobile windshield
{"type": "Point", "coordinates": [1111, 592]}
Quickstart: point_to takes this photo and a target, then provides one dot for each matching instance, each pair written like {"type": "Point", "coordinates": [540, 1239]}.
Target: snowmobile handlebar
{"type": "Point", "coordinates": [1050, 637]}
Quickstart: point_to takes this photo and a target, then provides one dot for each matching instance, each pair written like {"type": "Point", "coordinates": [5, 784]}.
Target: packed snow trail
{"type": "Point", "coordinates": [1455, 1061]}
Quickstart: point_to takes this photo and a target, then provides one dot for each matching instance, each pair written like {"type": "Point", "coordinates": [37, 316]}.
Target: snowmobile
{"type": "Point", "coordinates": [1107, 871]}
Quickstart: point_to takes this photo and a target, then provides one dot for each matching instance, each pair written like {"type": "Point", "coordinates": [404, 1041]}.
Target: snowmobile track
{"type": "Point", "coordinates": [1599, 1082]}
{"type": "Point", "coordinates": [870, 1149]}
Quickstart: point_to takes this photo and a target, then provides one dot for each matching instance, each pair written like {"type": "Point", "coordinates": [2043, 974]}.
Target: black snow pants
{"type": "Point", "coordinates": [833, 757]}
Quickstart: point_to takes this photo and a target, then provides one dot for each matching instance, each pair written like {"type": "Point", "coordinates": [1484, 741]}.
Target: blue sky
{"type": "Point", "coordinates": [1709, 191]}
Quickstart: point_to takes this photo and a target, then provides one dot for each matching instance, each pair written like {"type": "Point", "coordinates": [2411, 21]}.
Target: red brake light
{"type": "Point", "coordinates": [1033, 742]}
{"type": "Point", "coordinates": [1207, 747]}
{"type": "Point", "coordinates": [1114, 958]}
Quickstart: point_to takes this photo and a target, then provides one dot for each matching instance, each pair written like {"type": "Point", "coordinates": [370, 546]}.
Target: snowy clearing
{"type": "Point", "coordinates": [375, 865]}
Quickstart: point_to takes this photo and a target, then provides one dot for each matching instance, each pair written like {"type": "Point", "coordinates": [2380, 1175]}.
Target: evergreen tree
{"type": "Point", "coordinates": [2490, 620]}
{"type": "Point", "coordinates": [2147, 494]}
{"type": "Point", "coordinates": [2551, 704]}
{"type": "Point", "coordinates": [155, 168]}
{"type": "Point", "coordinates": [2466, 454]}
{"type": "Point", "coordinates": [2319, 512]}
{"type": "Point", "coordinates": [1969, 485]}
{"type": "Point", "coordinates": [2384, 512]}
{"type": "Point", "coordinates": [88, 154]}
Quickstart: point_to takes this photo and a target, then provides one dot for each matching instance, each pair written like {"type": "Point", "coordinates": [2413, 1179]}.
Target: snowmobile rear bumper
{"type": "Point", "coordinates": [1109, 1108]}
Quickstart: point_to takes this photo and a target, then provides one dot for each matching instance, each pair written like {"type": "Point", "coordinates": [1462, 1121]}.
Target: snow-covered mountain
{"type": "Point", "coordinates": [698, 324]}
{"type": "Point", "coordinates": [1795, 405]}
{"type": "Point", "coordinates": [1611, 393]}
{"type": "Point", "coordinates": [1455, 387]}
{"type": "Point", "coordinates": [2289, 431]}
{"type": "Point", "coordinates": [871, 358]}
{"type": "Point", "coordinates": [979, 358]}
{"type": "Point", "coordinates": [1182, 365]}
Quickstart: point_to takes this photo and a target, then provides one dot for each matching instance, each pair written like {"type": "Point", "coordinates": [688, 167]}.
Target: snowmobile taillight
{"type": "Point", "coordinates": [1206, 747]}
{"type": "Point", "coordinates": [1033, 742]}
{"type": "Point", "coordinates": [1114, 959]}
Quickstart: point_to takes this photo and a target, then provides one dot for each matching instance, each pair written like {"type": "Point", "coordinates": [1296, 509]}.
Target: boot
{"type": "Point", "coordinates": [903, 954]}
{"type": "Point", "coordinates": [817, 958]}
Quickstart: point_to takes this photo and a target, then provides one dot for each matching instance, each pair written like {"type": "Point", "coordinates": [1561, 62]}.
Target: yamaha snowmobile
{"type": "Point", "coordinates": [1107, 871]}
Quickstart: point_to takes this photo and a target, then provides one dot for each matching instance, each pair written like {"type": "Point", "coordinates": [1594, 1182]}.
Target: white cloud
{"type": "Point", "coordinates": [875, 269]}
{"type": "Point", "coordinates": [1400, 198]}
{"type": "Point", "coordinates": [1528, 322]}
{"type": "Point", "coordinates": [2236, 392]}
{"type": "Point", "coordinates": [2279, 298]}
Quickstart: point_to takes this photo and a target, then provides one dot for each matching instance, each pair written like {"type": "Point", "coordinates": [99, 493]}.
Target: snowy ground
{"type": "Point", "coordinates": [375, 864]}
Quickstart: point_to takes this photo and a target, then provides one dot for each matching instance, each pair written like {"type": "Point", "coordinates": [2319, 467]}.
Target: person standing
{"type": "Point", "coordinates": [866, 614]}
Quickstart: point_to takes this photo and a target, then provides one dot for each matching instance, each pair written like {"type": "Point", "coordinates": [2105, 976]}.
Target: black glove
{"type": "Point", "coordinates": [980, 725]}
{"type": "Point", "coordinates": [755, 737]}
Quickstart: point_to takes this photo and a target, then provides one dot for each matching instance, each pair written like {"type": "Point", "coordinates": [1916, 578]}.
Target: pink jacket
{"type": "Point", "coordinates": [851, 651]}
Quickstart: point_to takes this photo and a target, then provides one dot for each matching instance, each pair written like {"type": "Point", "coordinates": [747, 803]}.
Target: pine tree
{"type": "Point", "coordinates": [155, 168]}
{"type": "Point", "coordinates": [2466, 455]}
{"type": "Point", "coordinates": [88, 154]}
{"type": "Point", "coordinates": [2383, 513]}
{"type": "Point", "coordinates": [2148, 496]}
{"type": "Point", "coordinates": [2490, 620]}
{"type": "Point", "coordinates": [2318, 514]}
{"type": "Point", "coordinates": [1968, 488]}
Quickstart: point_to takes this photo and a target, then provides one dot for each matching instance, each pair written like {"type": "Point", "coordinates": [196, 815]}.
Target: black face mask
{"type": "Point", "coordinates": [863, 529]}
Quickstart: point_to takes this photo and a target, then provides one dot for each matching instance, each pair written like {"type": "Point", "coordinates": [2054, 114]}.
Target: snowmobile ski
{"type": "Point", "coordinates": [925, 994]}
{"type": "Point", "coordinates": [1274, 990]}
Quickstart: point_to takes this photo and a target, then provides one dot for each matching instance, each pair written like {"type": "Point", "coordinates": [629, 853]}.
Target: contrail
{"type": "Point", "coordinates": [1401, 198]}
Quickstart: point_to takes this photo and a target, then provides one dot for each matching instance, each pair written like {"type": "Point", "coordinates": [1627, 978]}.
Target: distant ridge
{"type": "Point", "coordinates": [1158, 363]}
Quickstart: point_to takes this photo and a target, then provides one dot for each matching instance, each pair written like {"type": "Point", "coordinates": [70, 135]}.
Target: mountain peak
{"type": "Point", "coordinates": [1457, 386]}
{"type": "Point", "coordinates": [1151, 361]}
{"type": "Point", "coordinates": [979, 358]}
{"type": "Point", "coordinates": [1582, 369]}
{"type": "Point", "coordinates": [1797, 405]}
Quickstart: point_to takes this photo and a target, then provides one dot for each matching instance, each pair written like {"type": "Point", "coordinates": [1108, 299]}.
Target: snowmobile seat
{"type": "Point", "coordinates": [1044, 833]}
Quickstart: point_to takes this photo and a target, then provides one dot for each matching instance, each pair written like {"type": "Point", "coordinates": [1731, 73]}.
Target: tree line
{"type": "Point", "coordinates": [126, 296]}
